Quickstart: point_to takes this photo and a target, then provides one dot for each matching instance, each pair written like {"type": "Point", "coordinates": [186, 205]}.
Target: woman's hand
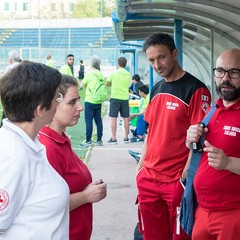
{"type": "Point", "coordinates": [96, 191]}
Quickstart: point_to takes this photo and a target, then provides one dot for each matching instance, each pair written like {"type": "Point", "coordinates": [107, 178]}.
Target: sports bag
{"type": "Point", "coordinates": [99, 91]}
{"type": "Point", "coordinates": [189, 199]}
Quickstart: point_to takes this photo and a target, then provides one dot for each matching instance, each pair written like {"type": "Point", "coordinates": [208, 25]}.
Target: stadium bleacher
{"type": "Point", "coordinates": [35, 43]}
{"type": "Point", "coordinates": [58, 37]}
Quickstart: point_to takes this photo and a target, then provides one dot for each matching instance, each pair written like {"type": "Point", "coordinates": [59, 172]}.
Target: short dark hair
{"type": "Point", "coordinates": [157, 39]}
{"type": "Point", "coordinates": [70, 55]}
{"type": "Point", "coordinates": [136, 77]}
{"type": "Point", "coordinates": [144, 88]}
{"type": "Point", "coordinates": [25, 87]}
{"type": "Point", "coordinates": [122, 62]}
{"type": "Point", "coordinates": [67, 81]}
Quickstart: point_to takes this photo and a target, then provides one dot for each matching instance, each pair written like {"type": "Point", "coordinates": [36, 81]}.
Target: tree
{"type": "Point", "coordinates": [92, 8]}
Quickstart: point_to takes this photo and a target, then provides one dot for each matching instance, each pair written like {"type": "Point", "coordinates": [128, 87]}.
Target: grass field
{"type": "Point", "coordinates": [77, 132]}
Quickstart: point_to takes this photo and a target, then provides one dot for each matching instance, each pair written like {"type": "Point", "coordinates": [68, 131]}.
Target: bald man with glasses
{"type": "Point", "coordinates": [218, 176]}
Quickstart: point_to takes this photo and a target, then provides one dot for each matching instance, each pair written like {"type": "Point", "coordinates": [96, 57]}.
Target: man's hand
{"type": "Point", "coordinates": [216, 157]}
{"type": "Point", "coordinates": [194, 133]}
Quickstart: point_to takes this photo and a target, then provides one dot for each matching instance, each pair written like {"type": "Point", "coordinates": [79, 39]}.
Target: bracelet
{"type": "Point", "coordinates": [187, 145]}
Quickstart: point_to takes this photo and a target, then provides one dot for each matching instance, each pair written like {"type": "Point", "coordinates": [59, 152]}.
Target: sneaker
{"type": "Point", "coordinates": [98, 143]}
{"type": "Point", "coordinates": [135, 155]}
{"type": "Point", "coordinates": [112, 141]}
{"type": "Point", "coordinates": [140, 139]}
{"type": "Point", "coordinates": [133, 139]}
{"type": "Point", "coordinates": [136, 139]}
{"type": "Point", "coordinates": [86, 144]}
{"type": "Point", "coordinates": [126, 140]}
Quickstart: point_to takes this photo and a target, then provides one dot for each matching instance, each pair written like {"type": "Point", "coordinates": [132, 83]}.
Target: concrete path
{"type": "Point", "coordinates": [116, 216]}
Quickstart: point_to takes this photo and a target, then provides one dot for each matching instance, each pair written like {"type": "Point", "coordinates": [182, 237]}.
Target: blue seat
{"type": "Point", "coordinates": [59, 37]}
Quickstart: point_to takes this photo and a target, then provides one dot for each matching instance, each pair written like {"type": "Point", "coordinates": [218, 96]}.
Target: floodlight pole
{"type": "Point", "coordinates": [101, 13]}
{"type": "Point", "coordinates": [69, 33]}
{"type": "Point", "coordinates": [39, 32]}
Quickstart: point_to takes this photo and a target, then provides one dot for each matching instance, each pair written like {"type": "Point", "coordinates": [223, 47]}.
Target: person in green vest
{"type": "Point", "coordinates": [119, 81]}
{"type": "Point", "coordinates": [67, 68]}
{"type": "Point", "coordinates": [139, 132]}
{"type": "Point", "coordinates": [92, 105]}
{"type": "Point", "coordinates": [50, 62]}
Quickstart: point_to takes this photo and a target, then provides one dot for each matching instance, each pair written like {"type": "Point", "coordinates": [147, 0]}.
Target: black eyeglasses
{"type": "Point", "coordinates": [232, 73]}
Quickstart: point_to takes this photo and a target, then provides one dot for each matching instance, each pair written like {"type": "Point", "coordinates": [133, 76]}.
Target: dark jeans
{"type": "Point", "coordinates": [137, 234]}
{"type": "Point", "coordinates": [93, 112]}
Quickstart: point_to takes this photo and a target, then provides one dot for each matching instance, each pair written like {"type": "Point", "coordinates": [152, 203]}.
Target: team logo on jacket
{"type": "Point", "coordinates": [205, 106]}
{"type": "Point", "coordinates": [4, 199]}
{"type": "Point", "coordinates": [231, 130]}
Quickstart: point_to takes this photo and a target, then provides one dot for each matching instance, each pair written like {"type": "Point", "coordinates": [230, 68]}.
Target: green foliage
{"type": "Point", "coordinates": [108, 8]}
{"type": "Point", "coordinates": [86, 9]}
{"type": "Point", "coordinates": [92, 9]}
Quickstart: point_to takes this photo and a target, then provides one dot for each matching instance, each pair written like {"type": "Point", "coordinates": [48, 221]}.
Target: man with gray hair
{"type": "Point", "coordinates": [13, 59]}
{"type": "Point", "coordinates": [92, 105]}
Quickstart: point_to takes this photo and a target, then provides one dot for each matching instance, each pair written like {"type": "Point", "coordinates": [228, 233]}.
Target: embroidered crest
{"type": "Point", "coordinates": [4, 199]}
{"type": "Point", "coordinates": [205, 106]}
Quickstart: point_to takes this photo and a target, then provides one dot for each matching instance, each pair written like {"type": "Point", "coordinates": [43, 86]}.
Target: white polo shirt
{"type": "Point", "coordinates": [34, 199]}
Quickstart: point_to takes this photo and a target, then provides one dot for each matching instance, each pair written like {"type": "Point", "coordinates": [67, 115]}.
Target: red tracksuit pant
{"type": "Point", "coordinates": [158, 203]}
{"type": "Point", "coordinates": [216, 225]}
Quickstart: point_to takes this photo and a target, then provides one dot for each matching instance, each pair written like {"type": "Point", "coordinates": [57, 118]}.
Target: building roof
{"type": "Point", "coordinates": [136, 19]}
